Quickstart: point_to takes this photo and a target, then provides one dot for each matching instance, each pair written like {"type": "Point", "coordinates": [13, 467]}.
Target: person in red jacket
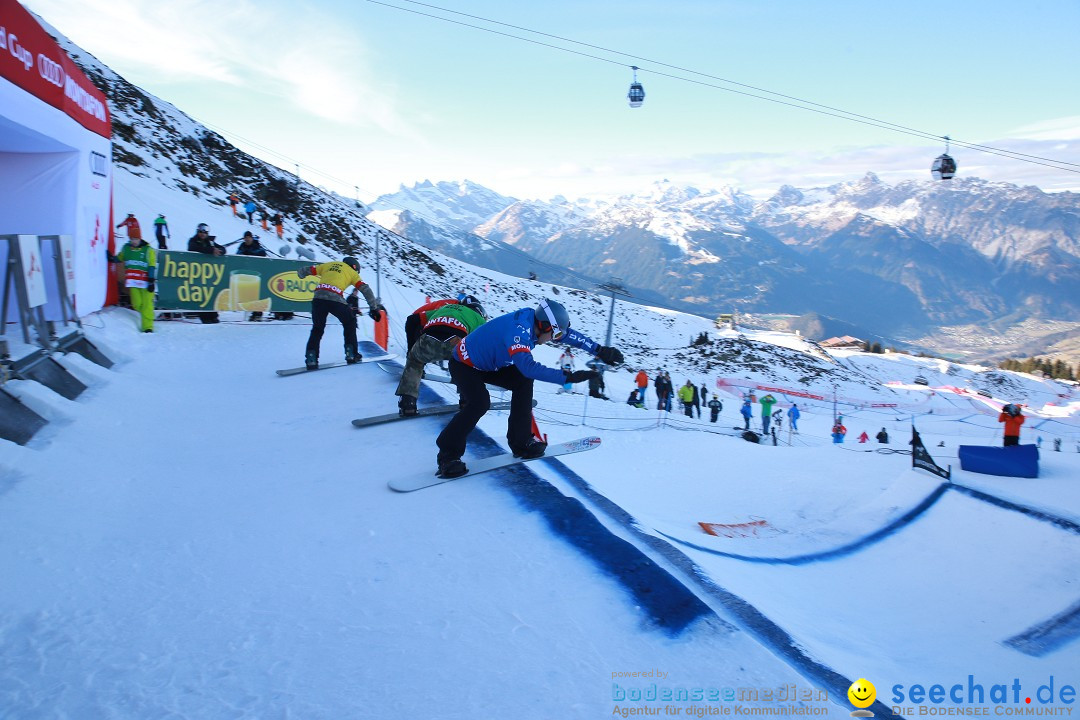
{"type": "Point", "coordinates": [132, 225]}
{"type": "Point", "coordinates": [1013, 419]}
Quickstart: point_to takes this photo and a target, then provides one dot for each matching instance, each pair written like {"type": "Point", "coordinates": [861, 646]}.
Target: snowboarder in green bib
{"type": "Point", "coordinates": [442, 331]}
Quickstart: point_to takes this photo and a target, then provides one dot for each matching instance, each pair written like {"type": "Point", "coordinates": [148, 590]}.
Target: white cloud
{"type": "Point", "coordinates": [1067, 128]}
{"type": "Point", "coordinates": [289, 51]}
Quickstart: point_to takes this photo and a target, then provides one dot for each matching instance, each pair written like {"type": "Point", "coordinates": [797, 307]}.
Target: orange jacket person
{"type": "Point", "coordinates": [134, 232]}
{"type": "Point", "coordinates": [329, 299]}
{"type": "Point", "coordinates": [1013, 419]}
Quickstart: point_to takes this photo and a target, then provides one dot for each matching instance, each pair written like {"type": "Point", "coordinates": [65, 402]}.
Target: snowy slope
{"type": "Point", "coordinates": [196, 537]}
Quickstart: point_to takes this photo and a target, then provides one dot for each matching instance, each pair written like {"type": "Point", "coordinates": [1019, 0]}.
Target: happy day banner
{"type": "Point", "coordinates": [193, 281]}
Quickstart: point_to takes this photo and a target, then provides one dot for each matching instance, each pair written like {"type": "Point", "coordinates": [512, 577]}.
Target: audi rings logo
{"type": "Point", "coordinates": [51, 71]}
{"type": "Point", "coordinates": [99, 164]}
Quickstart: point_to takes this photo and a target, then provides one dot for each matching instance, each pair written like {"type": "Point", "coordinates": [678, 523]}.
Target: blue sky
{"type": "Point", "coordinates": [362, 95]}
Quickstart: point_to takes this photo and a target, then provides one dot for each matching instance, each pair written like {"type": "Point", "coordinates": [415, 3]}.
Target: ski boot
{"type": "Point", "coordinates": [311, 360]}
{"type": "Point", "coordinates": [406, 406]}
{"type": "Point", "coordinates": [353, 356]}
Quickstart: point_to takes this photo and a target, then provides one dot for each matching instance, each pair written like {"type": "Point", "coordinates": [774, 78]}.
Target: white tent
{"type": "Point", "coordinates": [55, 155]}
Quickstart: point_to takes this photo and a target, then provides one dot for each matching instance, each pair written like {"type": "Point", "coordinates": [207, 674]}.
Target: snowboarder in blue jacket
{"type": "Point", "coordinates": [500, 353]}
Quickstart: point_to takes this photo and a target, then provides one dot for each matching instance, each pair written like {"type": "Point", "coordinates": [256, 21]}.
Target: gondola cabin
{"type": "Point", "coordinates": [944, 167]}
{"type": "Point", "coordinates": [636, 96]}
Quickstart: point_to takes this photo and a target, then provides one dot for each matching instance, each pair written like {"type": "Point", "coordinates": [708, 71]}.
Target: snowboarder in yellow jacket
{"type": "Point", "coordinates": [334, 279]}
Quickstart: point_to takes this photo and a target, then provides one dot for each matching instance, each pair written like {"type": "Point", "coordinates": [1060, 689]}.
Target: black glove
{"type": "Point", "coordinates": [150, 286]}
{"type": "Point", "coordinates": [376, 312]}
{"type": "Point", "coordinates": [610, 355]}
{"type": "Point", "coordinates": [580, 375]}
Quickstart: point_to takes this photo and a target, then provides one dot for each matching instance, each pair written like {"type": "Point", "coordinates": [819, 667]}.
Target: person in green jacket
{"type": "Point", "coordinates": [140, 265]}
{"type": "Point", "coordinates": [766, 412]}
{"type": "Point", "coordinates": [443, 329]}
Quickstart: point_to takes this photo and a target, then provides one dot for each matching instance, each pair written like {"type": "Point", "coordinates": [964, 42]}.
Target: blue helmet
{"type": "Point", "coordinates": [552, 317]}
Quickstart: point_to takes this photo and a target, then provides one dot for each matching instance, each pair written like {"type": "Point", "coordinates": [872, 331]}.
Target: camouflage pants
{"type": "Point", "coordinates": [426, 350]}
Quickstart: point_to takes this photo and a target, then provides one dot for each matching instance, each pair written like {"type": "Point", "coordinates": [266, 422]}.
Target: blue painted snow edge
{"type": "Point", "coordinates": [669, 604]}
{"type": "Point", "coordinates": [766, 631]}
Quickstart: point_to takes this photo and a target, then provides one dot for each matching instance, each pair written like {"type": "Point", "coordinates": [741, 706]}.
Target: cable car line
{"type": "Point", "coordinates": [796, 102]}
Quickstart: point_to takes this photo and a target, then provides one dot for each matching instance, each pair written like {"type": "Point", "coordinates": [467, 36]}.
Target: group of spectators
{"type": "Point", "coordinates": [140, 262]}
{"type": "Point", "coordinates": [265, 218]}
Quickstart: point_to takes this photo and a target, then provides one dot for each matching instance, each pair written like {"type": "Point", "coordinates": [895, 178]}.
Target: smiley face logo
{"type": "Point", "coordinates": [862, 693]}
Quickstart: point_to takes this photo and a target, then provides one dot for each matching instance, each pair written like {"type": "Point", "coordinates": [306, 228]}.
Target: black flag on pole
{"type": "Point", "coordinates": [920, 457]}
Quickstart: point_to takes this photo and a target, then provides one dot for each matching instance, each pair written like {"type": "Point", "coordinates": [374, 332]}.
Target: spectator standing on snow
{"type": "Point", "coordinates": [233, 202]}
{"type": "Point", "coordinates": [1013, 418]}
{"type": "Point", "coordinates": [642, 380]}
{"type": "Point", "coordinates": [838, 432]}
{"type": "Point", "coordinates": [883, 437]}
{"type": "Point", "coordinates": [249, 209]}
{"type": "Point", "coordinates": [664, 391]}
{"type": "Point", "coordinates": [767, 403]}
{"type": "Point", "coordinates": [203, 242]}
{"type": "Point", "coordinates": [715, 406]}
{"type": "Point", "coordinates": [596, 384]}
{"type": "Point", "coordinates": [793, 417]}
{"type": "Point", "coordinates": [161, 232]}
{"type": "Point", "coordinates": [279, 224]}
{"type": "Point", "coordinates": [704, 395]}
{"type": "Point", "coordinates": [566, 360]}
{"type": "Point", "coordinates": [687, 394]}
{"type": "Point", "coordinates": [747, 412]}
{"type": "Point", "coordinates": [249, 245]}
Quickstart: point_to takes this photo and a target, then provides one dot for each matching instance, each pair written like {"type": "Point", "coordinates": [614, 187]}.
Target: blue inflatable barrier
{"type": "Point", "coordinates": [1016, 461]}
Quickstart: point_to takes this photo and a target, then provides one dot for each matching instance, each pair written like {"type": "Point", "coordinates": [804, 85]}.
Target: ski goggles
{"type": "Point", "coordinates": [548, 323]}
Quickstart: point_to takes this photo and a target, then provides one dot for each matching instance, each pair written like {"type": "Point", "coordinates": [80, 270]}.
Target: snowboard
{"type": "Point", "coordinates": [439, 377]}
{"type": "Point", "coordinates": [330, 365]}
{"type": "Point", "coordinates": [409, 484]}
{"type": "Point", "coordinates": [422, 412]}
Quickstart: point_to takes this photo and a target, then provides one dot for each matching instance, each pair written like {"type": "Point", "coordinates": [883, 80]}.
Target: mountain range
{"type": "Point", "coordinates": [889, 262]}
